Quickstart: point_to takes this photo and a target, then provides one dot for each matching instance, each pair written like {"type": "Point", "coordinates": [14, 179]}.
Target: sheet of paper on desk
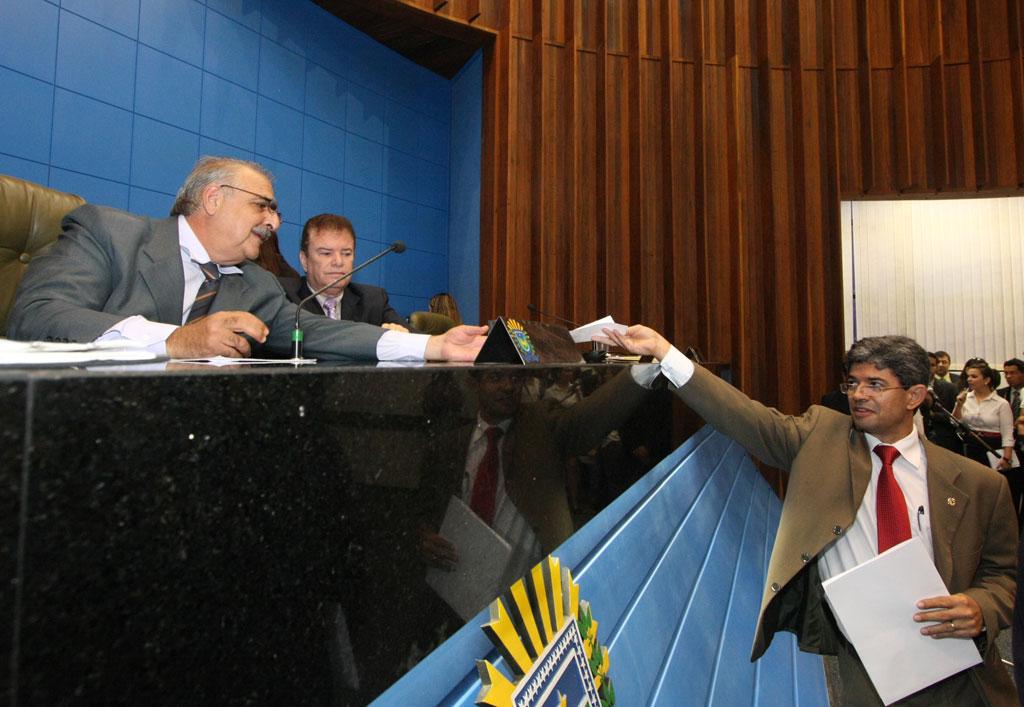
{"type": "Point", "coordinates": [48, 353]}
{"type": "Point", "coordinates": [874, 604]}
{"type": "Point", "coordinates": [227, 361]}
{"type": "Point", "coordinates": [483, 557]}
{"type": "Point", "coordinates": [585, 333]}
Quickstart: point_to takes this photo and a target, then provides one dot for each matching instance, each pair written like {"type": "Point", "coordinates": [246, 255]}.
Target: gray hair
{"type": "Point", "coordinates": [209, 170]}
{"type": "Point", "coordinates": [906, 358]}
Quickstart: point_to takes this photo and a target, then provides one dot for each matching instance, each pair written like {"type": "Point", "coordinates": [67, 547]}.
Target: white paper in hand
{"type": "Point", "coordinates": [875, 603]}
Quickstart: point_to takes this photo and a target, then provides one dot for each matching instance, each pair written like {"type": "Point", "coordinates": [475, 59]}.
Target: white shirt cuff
{"type": "Point", "coordinates": [140, 331]}
{"type": "Point", "coordinates": [399, 346]}
{"type": "Point", "coordinates": [676, 367]}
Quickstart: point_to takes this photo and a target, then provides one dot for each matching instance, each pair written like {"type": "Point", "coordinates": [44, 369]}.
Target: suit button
{"type": "Point", "coordinates": [805, 557]}
{"type": "Point", "coordinates": [837, 530]}
{"type": "Point", "coordinates": [775, 587]}
{"type": "Point", "coordinates": [25, 257]}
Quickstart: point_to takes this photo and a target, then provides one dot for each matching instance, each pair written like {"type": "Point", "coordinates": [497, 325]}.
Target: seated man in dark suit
{"type": "Point", "coordinates": [186, 286]}
{"type": "Point", "coordinates": [327, 251]}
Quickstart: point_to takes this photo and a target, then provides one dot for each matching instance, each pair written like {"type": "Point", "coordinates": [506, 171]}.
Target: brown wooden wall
{"type": "Point", "coordinates": [680, 162]}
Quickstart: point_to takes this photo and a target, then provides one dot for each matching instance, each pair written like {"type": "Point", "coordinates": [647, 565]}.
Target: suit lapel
{"type": "Point", "coordinates": [161, 270]}
{"type": "Point", "coordinates": [860, 471]}
{"type": "Point", "coordinates": [946, 503]}
{"type": "Point", "coordinates": [314, 304]}
{"type": "Point", "coordinates": [350, 305]}
{"type": "Point", "coordinates": [232, 295]}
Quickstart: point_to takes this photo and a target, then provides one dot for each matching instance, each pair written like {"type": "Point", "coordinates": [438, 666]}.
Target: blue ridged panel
{"type": "Point", "coordinates": [673, 570]}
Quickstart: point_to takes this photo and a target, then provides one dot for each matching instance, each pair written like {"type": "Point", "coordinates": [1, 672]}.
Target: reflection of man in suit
{"type": "Point", "coordinates": [525, 500]}
{"type": "Point", "coordinates": [327, 251]}
{"type": "Point", "coordinates": [844, 476]}
{"type": "Point", "coordinates": [183, 286]}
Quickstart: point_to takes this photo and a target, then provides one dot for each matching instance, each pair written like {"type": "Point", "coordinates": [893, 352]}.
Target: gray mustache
{"type": "Point", "coordinates": [264, 232]}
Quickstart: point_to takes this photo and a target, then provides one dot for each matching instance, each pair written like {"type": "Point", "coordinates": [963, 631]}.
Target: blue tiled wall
{"type": "Point", "coordinates": [116, 99]}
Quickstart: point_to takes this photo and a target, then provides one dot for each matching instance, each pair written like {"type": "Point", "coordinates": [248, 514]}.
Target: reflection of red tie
{"type": "Point", "coordinates": [890, 506]}
{"type": "Point", "coordinates": [486, 484]}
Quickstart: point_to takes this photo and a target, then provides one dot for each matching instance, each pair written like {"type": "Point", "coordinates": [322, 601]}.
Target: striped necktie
{"type": "Point", "coordinates": [331, 307]}
{"type": "Point", "coordinates": [207, 292]}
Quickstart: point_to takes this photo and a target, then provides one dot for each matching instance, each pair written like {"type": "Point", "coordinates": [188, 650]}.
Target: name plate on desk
{"type": "Point", "coordinates": [511, 341]}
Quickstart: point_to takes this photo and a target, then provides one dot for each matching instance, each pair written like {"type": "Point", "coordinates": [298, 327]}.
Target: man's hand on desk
{"type": "Point", "coordinates": [219, 334]}
{"type": "Point", "coordinates": [462, 343]}
{"type": "Point", "coordinates": [957, 616]}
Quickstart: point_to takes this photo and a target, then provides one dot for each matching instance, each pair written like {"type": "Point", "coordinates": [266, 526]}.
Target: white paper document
{"type": "Point", "coordinates": [483, 557]}
{"type": "Point", "coordinates": [48, 353]}
{"type": "Point", "coordinates": [228, 361]}
{"type": "Point", "coordinates": [585, 333]}
{"type": "Point", "coordinates": [875, 603]}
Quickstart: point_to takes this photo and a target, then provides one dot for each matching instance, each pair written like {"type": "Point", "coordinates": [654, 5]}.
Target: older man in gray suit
{"type": "Point", "coordinates": [858, 484]}
{"type": "Point", "coordinates": [184, 286]}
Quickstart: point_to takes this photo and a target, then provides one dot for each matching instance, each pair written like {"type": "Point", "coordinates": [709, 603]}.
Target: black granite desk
{"type": "Point", "coordinates": [253, 535]}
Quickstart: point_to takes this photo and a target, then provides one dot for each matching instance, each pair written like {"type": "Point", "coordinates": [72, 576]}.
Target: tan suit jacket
{"type": "Point", "coordinates": [974, 531]}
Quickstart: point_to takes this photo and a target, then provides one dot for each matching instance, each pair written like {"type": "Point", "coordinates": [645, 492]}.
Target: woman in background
{"type": "Point", "coordinates": [986, 413]}
{"type": "Point", "coordinates": [444, 303]}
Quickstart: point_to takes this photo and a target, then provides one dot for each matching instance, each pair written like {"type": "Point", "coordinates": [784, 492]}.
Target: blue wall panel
{"type": "Point", "coordinates": [673, 570]}
{"type": "Point", "coordinates": [117, 98]}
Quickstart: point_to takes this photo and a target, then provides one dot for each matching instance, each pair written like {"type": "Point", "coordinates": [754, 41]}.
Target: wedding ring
{"type": "Point", "coordinates": [952, 626]}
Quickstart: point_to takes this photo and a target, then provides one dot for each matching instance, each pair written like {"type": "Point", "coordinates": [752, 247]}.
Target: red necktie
{"type": "Point", "coordinates": [890, 506]}
{"type": "Point", "coordinates": [486, 484]}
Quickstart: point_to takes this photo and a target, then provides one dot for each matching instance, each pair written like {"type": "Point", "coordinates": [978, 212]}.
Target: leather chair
{"type": "Point", "coordinates": [30, 223]}
{"type": "Point", "coordinates": [430, 323]}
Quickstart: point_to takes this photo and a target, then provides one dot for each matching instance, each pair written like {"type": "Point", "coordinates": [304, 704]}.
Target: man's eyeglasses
{"type": "Point", "coordinates": [265, 201]}
{"type": "Point", "coordinates": [871, 387]}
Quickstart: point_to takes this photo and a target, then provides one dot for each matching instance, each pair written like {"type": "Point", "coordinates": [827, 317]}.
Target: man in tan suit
{"type": "Point", "coordinates": [830, 520]}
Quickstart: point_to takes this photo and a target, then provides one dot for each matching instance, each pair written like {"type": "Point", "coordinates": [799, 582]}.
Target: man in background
{"type": "Point", "coordinates": [327, 251]}
{"type": "Point", "coordinates": [942, 371]}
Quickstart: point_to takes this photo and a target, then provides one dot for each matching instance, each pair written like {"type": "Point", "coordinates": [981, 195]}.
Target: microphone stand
{"type": "Point", "coordinates": [297, 336]}
{"type": "Point", "coordinates": [963, 427]}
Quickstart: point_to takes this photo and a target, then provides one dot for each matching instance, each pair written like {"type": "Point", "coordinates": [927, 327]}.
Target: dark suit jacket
{"type": "Point", "coordinates": [108, 265]}
{"type": "Point", "coordinates": [1006, 394]}
{"type": "Point", "coordinates": [974, 533]}
{"type": "Point", "coordinates": [361, 303]}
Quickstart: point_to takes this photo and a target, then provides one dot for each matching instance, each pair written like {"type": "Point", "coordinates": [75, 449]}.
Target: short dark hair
{"type": "Point", "coordinates": [985, 370]}
{"type": "Point", "coordinates": [940, 354]}
{"type": "Point", "coordinates": [932, 355]}
{"type": "Point", "coordinates": [1014, 362]}
{"type": "Point", "coordinates": [328, 222]}
{"type": "Point", "coordinates": [900, 354]}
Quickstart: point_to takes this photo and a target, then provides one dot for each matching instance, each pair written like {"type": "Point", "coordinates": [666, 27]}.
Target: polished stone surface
{"type": "Point", "coordinates": [256, 535]}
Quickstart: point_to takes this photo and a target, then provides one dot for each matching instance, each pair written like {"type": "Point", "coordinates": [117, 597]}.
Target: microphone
{"type": "Point", "coordinates": [395, 247]}
{"type": "Point", "coordinates": [533, 308]}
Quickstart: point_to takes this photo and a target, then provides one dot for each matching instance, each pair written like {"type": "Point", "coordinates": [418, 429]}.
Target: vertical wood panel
{"type": "Point", "coordinates": [680, 162]}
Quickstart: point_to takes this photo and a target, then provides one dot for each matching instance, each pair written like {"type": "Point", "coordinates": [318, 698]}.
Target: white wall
{"type": "Point", "coordinates": [949, 273]}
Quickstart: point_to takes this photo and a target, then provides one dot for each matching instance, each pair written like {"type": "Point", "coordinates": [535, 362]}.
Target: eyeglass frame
{"type": "Point", "coordinates": [268, 203]}
{"type": "Point", "coordinates": [848, 388]}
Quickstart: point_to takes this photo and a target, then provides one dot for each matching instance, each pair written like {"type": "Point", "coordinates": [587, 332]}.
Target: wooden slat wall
{"type": "Point", "coordinates": [681, 162]}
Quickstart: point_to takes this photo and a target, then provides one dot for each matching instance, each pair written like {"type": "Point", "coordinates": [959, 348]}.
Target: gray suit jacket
{"type": "Point", "coordinates": [108, 265]}
{"type": "Point", "coordinates": [974, 531]}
